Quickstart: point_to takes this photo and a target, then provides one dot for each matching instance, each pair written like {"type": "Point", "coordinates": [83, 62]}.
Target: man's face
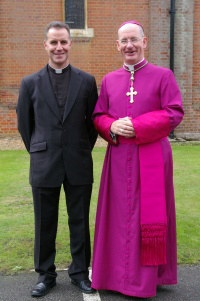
{"type": "Point", "coordinates": [131, 43]}
{"type": "Point", "coordinates": [58, 46]}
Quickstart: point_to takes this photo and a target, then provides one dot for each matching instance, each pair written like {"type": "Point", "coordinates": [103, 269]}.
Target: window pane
{"type": "Point", "coordinates": [75, 13]}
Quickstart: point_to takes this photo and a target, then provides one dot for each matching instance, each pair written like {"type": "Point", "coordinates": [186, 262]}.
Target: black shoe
{"type": "Point", "coordinates": [84, 286]}
{"type": "Point", "coordinates": [42, 289]}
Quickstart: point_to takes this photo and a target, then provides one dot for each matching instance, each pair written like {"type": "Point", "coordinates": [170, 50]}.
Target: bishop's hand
{"type": "Point", "coordinates": [123, 127]}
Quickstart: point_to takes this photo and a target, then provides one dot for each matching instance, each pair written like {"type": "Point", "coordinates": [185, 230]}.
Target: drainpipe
{"type": "Point", "coordinates": [172, 19]}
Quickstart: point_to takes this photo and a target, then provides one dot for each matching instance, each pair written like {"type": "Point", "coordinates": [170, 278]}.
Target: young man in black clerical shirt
{"type": "Point", "coordinates": [54, 119]}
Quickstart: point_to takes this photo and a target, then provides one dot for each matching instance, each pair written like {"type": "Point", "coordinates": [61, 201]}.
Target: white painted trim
{"type": "Point", "coordinates": [82, 33]}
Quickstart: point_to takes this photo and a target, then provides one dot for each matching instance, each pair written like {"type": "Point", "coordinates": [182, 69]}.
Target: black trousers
{"type": "Point", "coordinates": [46, 202]}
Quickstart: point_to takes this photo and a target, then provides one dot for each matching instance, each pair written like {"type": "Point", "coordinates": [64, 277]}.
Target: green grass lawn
{"type": "Point", "coordinates": [17, 220]}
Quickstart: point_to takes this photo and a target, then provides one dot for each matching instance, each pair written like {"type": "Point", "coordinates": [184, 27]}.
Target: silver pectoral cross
{"type": "Point", "coordinates": [131, 94]}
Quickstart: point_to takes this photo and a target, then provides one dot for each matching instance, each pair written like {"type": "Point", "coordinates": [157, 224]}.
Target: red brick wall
{"type": "Point", "coordinates": [22, 26]}
{"type": "Point", "coordinates": [187, 62]}
{"type": "Point", "coordinates": [195, 116]}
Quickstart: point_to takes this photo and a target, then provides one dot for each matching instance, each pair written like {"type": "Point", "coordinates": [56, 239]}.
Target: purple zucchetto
{"type": "Point", "coordinates": [131, 22]}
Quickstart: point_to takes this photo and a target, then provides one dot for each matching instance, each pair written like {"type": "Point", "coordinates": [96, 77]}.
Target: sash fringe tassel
{"type": "Point", "coordinates": [154, 244]}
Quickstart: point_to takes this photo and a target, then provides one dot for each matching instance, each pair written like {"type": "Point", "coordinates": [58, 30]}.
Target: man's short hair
{"type": "Point", "coordinates": [57, 25]}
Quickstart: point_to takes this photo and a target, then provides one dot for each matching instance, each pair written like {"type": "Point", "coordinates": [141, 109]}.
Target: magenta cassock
{"type": "Point", "coordinates": [157, 110]}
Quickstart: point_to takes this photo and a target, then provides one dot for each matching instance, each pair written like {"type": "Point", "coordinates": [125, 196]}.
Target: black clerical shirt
{"type": "Point", "coordinates": [60, 85]}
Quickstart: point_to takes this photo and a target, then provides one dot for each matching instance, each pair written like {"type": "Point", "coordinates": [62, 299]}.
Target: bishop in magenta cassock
{"type": "Point", "coordinates": [135, 234]}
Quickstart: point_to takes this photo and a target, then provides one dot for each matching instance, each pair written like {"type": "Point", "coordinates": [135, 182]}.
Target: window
{"type": "Point", "coordinates": [75, 15]}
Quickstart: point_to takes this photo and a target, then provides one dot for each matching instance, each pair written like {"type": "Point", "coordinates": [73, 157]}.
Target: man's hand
{"type": "Point", "coordinates": [123, 127]}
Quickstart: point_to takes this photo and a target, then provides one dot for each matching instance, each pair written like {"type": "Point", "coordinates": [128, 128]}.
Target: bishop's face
{"type": "Point", "coordinates": [58, 46]}
{"type": "Point", "coordinates": [131, 43]}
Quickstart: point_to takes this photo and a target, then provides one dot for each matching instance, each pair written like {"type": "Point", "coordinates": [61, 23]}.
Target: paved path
{"type": "Point", "coordinates": [18, 288]}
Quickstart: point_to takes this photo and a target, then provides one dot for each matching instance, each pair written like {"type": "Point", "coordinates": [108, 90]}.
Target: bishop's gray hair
{"type": "Point", "coordinates": [141, 30]}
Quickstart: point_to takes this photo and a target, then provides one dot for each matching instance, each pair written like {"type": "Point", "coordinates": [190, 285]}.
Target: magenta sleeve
{"type": "Point", "coordinates": [101, 118]}
{"type": "Point", "coordinates": [102, 124]}
{"type": "Point", "coordinates": [151, 126]}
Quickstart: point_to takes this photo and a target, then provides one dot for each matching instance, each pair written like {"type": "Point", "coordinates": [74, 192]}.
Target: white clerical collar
{"type": "Point", "coordinates": [131, 67]}
{"type": "Point", "coordinates": [59, 71]}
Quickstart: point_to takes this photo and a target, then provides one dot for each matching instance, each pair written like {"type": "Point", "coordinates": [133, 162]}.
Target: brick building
{"type": "Point", "coordinates": [22, 24]}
